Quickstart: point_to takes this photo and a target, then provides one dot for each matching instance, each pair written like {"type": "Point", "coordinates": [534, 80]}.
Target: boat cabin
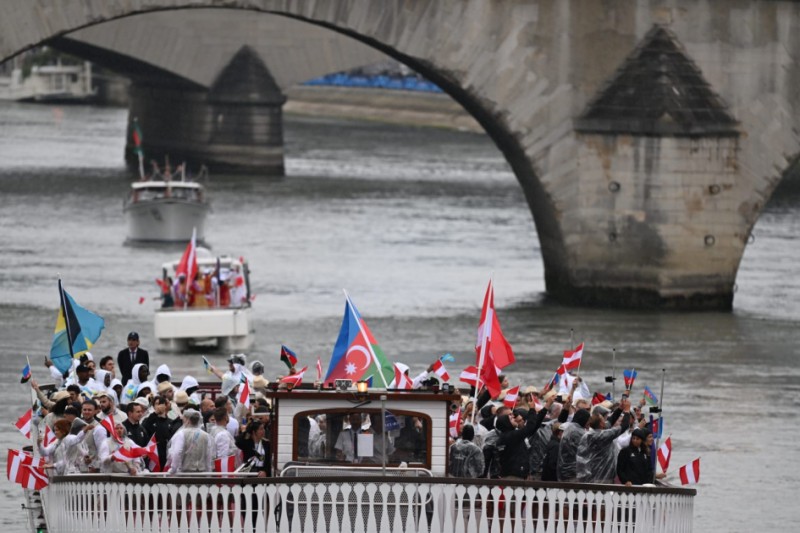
{"type": "Point", "coordinates": [347, 429]}
{"type": "Point", "coordinates": [146, 191]}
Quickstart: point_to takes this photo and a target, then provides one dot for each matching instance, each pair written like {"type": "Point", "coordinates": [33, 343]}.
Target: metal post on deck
{"type": "Point", "coordinates": [383, 432]}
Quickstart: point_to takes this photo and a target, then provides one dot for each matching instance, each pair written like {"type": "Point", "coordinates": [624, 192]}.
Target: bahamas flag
{"type": "Point", "coordinates": [356, 353]}
{"type": "Point", "coordinates": [76, 331]}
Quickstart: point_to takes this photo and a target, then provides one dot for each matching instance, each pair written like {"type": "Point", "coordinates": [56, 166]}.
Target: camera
{"type": "Point", "coordinates": [560, 399]}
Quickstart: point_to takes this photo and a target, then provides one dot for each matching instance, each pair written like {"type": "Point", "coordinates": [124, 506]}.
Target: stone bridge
{"type": "Point", "coordinates": [647, 135]}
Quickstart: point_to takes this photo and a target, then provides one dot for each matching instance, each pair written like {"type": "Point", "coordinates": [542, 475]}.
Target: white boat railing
{"type": "Point", "coordinates": [103, 503]}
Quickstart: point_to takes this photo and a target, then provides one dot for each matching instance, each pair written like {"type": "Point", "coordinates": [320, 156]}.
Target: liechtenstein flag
{"type": "Point", "coordinates": [356, 353]}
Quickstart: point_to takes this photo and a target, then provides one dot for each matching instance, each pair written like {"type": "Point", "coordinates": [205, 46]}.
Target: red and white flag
{"type": "Point", "coordinates": [664, 453]}
{"type": "Point", "coordinates": [488, 374]}
{"type": "Point", "coordinates": [690, 473]}
{"type": "Point", "coordinates": [49, 436]}
{"type": "Point", "coordinates": [319, 370]}
{"type": "Point", "coordinates": [24, 469]}
{"type": "Point", "coordinates": [244, 395]}
{"type": "Point", "coordinates": [469, 376]}
{"type": "Point", "coordinates": [24, 424]}
{"type": "Point", "coordinates": [441, 371]}
{"type": "Point", "coordinates": [188, 263]}
{"type": "Point", "coordinates": [123, 454]}
{"type": "Point", "coordinates": [225, 464]}
{"type": "Point", "coordinates": [108, 424]}
{"type": "Point", "coordinates": [489, 330]}
{"type": "Point", "coordinates": [572, 359]}
{"type": "Point", "coordinates": [510, 400]}
{"type": "Point", "coordinates": [401, 381]}
{"type": "Point", "coordinates": [455, 423]}
{"type": "Point", "coordinates": [294, 379]}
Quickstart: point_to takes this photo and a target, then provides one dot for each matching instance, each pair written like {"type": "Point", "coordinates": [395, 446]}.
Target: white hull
{"type": "Point", "coordinates": [231, 328]}
{"type": "Point", "coordinates": [165, 220]}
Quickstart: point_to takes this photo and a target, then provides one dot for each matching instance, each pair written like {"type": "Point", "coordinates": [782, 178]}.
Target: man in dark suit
{"type": "Point", "coordinates": [132, 355]}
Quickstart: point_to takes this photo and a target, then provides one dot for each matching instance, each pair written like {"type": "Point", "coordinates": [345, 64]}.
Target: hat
{"type": "Point", "coordinates": [133, 336]}
{"type": "Point", "coordinates": [59, 395]}
{"type": "Point", "coordinates": [100, 394]}
{"type": "Point", "coordinates": [82, 368]}
{"type": "Point", "coordinates": [89, 356]}
{"type": "Point", "coordinates": [164, 386]}
{"type": "Point", "coordinates": [259, 382]}
{"type": "Point", "coordinates": [639, 433]}
{"type": "Point", "coordinates": [181, 397]}
{"type": "Point", "coordinates": [143, 402]}
{"type": "Point", "coordinates": [606, 404]}
{"type": "Point", "coordinates": [550, 394]}
{"type": "Point", "coordinates": [530, 389]}
{"type": "Point", "coordinates": [238, 359]}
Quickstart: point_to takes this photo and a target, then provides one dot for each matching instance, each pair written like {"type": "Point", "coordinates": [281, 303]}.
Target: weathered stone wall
{"type": "Point", "coordinates": [526, 70]}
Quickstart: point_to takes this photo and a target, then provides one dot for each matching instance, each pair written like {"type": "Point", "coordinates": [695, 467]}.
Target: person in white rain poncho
{"type": "Point", "coordinates": [63, 455]}
{"type": "Point", "coordinates": [466, 459]}
{"type": "Point", "coordinates": [114, 443]}
{"type": "Point", "coordinates": [597, 451]}
{"type": "Point", "coordinates": [191, 449]}
{"type": "Point", "coordinates": [190, 386]}
{"type": "Point", "coordinates": [138, 376]}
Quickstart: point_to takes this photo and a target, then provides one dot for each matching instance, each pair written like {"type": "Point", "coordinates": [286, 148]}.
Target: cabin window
{"type": "Point", "coordinates": [325, 436]}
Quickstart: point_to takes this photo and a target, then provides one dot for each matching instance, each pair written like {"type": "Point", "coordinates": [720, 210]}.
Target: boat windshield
{"type": "Point", "coordinates": [359, 437]}
{"type": "Point", "coordinates": [158, 193]}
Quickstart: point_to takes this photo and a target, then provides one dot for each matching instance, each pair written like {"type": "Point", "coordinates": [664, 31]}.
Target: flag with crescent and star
{"type": "Point", "coordinates": [356, 353]}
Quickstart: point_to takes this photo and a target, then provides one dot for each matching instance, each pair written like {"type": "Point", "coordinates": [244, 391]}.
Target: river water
{"type": "Point", "coordinates": [412, 223]}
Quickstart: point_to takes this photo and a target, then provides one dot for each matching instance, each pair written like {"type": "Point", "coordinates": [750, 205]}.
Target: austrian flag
{"type": "Point", "coordinates": [441, 371]}
{"type": "Point", "coordinates": [244, 395]}
{"type": "Point", "coordinates": [24, 469]}
{"type": "Point", "coordinates": [690, 473]}
{"type": "Point", "coordinates": [572, 359]}
{"type": "Point", "coordinates": [294, 379]}
{"type": "Point", "coordinates": [401, 381]}
{"type": "Point", "coordinates": [455, 423]}
{"type": "Point", "coordinates": [24, 424]}
{"type": "Point", "coordinates": [469, 376]}
{"type": "Point", "coordinates": [510, 400]}
{"type": "Point", "coordinates": [664, 454]}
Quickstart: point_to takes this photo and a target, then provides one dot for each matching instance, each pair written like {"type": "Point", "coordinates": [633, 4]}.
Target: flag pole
{"type": "Point", "coordinates": [70, 340]}
{"type": "Point", "coordinates": [482, 353]}
{"type": "Point", "coordinates": [366, 340]}
{"type": "Point", "coordinates": [34, 438]}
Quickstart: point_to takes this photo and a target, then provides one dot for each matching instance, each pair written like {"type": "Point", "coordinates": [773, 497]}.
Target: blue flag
{"type": "Point", "coordinates": [26, 374]}
{"type": "Point", "coordinates": [657, 426]}
{"type": "Point", "coordinates": [76, 331]}
{"type": "Point", "coordinates": [447, 358]}
{"type": "Point", "coordinates": [391, 423]}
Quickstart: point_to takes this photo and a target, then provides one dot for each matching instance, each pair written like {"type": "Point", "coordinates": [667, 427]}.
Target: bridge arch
{"type": "Point", "coordinates": [652, 216]}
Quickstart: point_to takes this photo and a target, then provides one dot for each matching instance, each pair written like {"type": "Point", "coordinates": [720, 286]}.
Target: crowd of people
{"type": "Point", "coordinates": [120, 403]}
{"type": "Point", "coordinates": [545, 436]}
{"type": "Point", "coordinates": [555, 437]}
{"type": "Point", "coordinates": [211, 287]}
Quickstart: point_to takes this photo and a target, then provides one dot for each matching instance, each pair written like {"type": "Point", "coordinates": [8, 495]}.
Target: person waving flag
{"type": "Point", "coordinates": [26, 374]}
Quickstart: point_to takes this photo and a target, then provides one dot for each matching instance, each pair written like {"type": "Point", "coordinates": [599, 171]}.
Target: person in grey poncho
{"type": "Point", "coordinates": [568, 448]}
{"type": "Point", "coordinates": [466, 459]}
{"type": "Point", "coordinates": [597, 451]}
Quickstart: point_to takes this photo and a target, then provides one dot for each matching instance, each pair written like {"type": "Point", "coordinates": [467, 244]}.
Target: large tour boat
{"type": "Point", "coordinates": [215, 308]}
{"type": "Point", "coordinates": [398, 483]}
{"type": "Point", "coordinates": [163, 209]}
{"type": "Point", "coordinates": [62, 84]}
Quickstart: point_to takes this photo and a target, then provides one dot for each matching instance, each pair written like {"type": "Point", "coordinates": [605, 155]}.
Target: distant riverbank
{"type": "Point", "coordinates": [383, 105]}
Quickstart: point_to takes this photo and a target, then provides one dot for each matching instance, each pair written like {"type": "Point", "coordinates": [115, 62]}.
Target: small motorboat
{"type": "Point", "coordinates": [212, 310]}
{"type": "Point", "coordinates": [160, 208]}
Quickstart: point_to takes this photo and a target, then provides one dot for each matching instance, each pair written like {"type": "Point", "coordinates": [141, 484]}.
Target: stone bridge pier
{"type": "Point", "coordinates": [646, 135]}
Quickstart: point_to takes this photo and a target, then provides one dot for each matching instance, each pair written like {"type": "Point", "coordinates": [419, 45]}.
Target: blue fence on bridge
{"type": "Point", "coordinates": [402, 83]}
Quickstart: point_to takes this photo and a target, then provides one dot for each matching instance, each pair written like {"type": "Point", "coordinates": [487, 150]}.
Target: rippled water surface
{"type": "Point", "coordinates": [412, 222]}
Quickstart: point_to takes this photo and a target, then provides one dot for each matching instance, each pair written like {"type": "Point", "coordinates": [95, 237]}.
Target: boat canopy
{"type": "Point", "coordinates": [207, 259]}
